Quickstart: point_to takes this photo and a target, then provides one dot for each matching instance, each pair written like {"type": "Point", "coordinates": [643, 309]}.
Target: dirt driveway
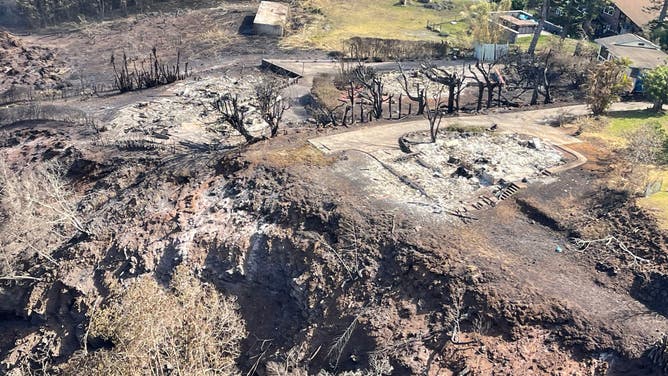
{"type": "Point", "coordinates": [532, 123]}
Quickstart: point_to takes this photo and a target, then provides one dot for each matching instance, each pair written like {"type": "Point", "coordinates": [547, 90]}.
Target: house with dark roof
{"type": "Point", "coordinates": [642, 54]}
{"type": "Point", "coordinates": [629, 16]}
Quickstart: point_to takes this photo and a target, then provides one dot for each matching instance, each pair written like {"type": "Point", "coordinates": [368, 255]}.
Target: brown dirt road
{"type": "Point", "coordinates": [533, 123]}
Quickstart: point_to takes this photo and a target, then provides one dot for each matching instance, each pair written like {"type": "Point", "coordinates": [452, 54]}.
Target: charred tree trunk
{"type": "Point", "coordinates": [351, 101]}
{"type": "Point", "coordinates": [451, 99]}
{"type": "Point", "coordinates": [419, 96]}
{"type": "Point", "coordinates": [534, 95]}
{"type": "Point", "coordinates": [490, 95]}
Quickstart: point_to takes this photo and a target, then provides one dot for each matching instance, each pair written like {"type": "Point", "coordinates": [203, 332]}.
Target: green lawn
{"type": "Point", "coordinates": [544, 41]}
{"type": "Point", "coordinates": [334, 21]}
{"type": "Point", "coordinates": [342, 19]}
{"type": "Point", "coordinates": [622, 122]}
{"type": "Point", "coordinates": [619, 123]}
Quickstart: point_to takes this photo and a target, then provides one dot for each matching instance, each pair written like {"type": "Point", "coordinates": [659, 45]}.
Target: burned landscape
{"type": "Point", "coordinates": [180, 196]}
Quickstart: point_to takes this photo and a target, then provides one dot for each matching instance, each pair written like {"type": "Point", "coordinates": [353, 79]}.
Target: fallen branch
{"type": "Point", "coordinates": [345, 266]}
{"type": "Point", "coordinates": [340, 343]}
{"type": "Point", "coordinates": [459, 215]}
{"type": "Point", "coordinates": [19, 278]}
{"type": "Point", "coordinates": [610, 242]}
{"type": "Point", "coordinates": [84, 340]}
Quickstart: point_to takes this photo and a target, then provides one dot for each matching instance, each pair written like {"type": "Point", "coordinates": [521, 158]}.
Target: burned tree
{"type": "Point", "coordinates": [351, 95]}
{"type": "Point", "coordinates": [373, 89]}
{"type": "Point", "coordinates": [325, 115]}
{"type": "Point", "coordinates": [234, 113]}
{"type": "Point", "coordinates": [488, 78]}
{"type": "Point", "coordinates": [453, 81]}
{"type": "Point", "coordinates": [434, 111]}
{"type": "Point", "coordinates": [123, 79]}
{"type": "Point", "coordinates": [533, 74]}
{"type": "Point", "coordinates": [417, 96]}
{"type": "Point", "coordinates": [271, 104]}
{"type": "Point", "coordinates": [481, 88]}
{"type": "Point", "coordinates": [141, 77]}
{"type": "Point", "coordinates": [545, 73]}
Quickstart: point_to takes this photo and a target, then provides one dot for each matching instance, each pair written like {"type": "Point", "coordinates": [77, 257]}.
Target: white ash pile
{"type": "Point", "coordinates": [186, 113]}
{"type": "Point", "coordinates": [393, 82]}
{"type": "Point", "coordinates": [460, 163]}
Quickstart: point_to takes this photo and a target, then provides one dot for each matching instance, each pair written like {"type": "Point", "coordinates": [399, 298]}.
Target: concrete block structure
{"type": "Point", "coordinates": [271, 18]}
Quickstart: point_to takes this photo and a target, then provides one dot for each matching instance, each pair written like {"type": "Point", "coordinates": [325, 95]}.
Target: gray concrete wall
{"type": "Point", "coordinates": [262, 29]}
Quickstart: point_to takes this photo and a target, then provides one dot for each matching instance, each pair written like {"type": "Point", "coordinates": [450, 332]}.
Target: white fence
{"type": "Point", "coordinates": [490, 52]}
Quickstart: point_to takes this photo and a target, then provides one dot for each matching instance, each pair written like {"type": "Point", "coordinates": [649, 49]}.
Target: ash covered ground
{"type": "Point", "coordinates": [359, 261]}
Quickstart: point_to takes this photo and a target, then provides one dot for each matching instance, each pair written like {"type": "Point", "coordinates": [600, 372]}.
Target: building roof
{"type": "Point", "coordinates": [641, 12]}
{"type": "Point", "coordinates": [641, 52]}
{"type": "Point", "coordinates": [271, 13]}
{"type": "Point", "coordinates": [516, 21]}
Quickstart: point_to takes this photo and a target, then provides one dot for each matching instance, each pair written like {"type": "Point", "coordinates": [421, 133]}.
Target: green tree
{"type": "Point", "coordinates": [518, 4]}
{"type": "Point", "coordinates": [659, 34]}
{"type": "Point", "coordinates": [655, 84]}
{"type": "Point", "coordinates": [482, 30]}
{"type": "Point", "coordinates": [577, 16]}
{"type": "Point", "coordinates": [606, 81]}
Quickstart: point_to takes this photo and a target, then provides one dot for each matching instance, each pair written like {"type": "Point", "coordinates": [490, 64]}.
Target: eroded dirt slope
{"type": "Point", "coordinates": [312, 259]}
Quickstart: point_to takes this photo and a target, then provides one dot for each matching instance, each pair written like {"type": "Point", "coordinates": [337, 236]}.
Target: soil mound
{"type": "Point", "coordinates": [27, 67]}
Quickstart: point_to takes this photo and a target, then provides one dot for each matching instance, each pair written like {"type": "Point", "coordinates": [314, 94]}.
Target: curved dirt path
{"type": "Point", "coordinates": [533, 123]}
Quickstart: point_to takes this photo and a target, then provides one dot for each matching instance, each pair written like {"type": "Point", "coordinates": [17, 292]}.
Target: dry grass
{"type": "Point", "coordinates": [304, 154]}
{"type": "Point", "coordinates": [657, 203]}
{"type": "Point", "coordinates": [188, 329]}
{"type": "Point", "coordinates": [38, 213]}
{"type": "Point", "coordinates": [325, 91]}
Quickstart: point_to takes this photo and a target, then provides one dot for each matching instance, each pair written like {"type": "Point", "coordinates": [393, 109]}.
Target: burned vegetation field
{"type": "Point", "coordinates": [181, 196]}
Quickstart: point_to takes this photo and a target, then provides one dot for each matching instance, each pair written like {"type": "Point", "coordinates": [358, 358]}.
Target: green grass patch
{"type": "Point", "coordinates": [617, 124]}
{"type": "Point", "coordinates": [657, 204]}
{"type": "Point", "coordinates": [339, 20]}
{"type": "Point", "coordinates": [621, 122]}
{"type": "Point", "coordinates": [545, 41]}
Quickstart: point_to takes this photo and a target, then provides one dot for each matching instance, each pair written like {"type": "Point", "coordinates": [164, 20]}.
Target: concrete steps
{"type": "Point", "coordinates": [508, 191]}
{"type": "Point", "coordinates": [487, 201]}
